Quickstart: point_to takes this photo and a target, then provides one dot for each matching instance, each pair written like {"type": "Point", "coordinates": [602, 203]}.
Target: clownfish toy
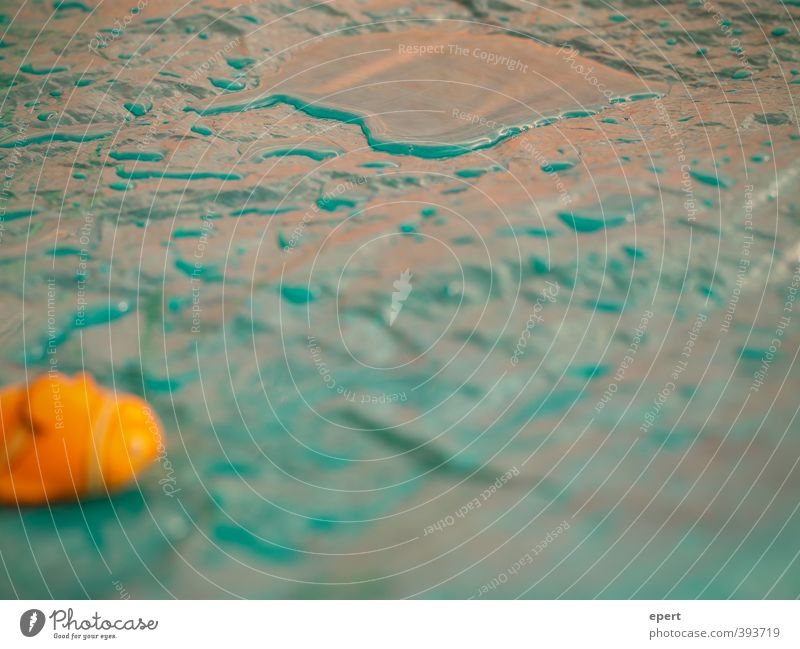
{"type": "Point", "coordinates": [65, 438]}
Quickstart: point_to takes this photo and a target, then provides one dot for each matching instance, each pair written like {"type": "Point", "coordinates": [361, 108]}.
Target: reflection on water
{"type": "Point", "coordinates": [467, 299]}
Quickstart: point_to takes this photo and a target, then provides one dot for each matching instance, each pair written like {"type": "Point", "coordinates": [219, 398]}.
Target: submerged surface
{"type": "Point", "coordinates": [425, 308]}
{"type": "Point", "coordinates": [432, 93]}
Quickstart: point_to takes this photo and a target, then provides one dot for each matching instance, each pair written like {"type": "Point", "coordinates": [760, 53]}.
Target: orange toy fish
{"type": "Point", "coordinates": [67, 438]}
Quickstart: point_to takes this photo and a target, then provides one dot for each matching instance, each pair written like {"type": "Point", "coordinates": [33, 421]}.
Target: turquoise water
{"type": "Point", "coordinates": [457, 300]}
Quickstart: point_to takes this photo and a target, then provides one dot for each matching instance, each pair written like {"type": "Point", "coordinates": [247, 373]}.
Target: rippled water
{"type": "Point", "coordinates": [480, 299]}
